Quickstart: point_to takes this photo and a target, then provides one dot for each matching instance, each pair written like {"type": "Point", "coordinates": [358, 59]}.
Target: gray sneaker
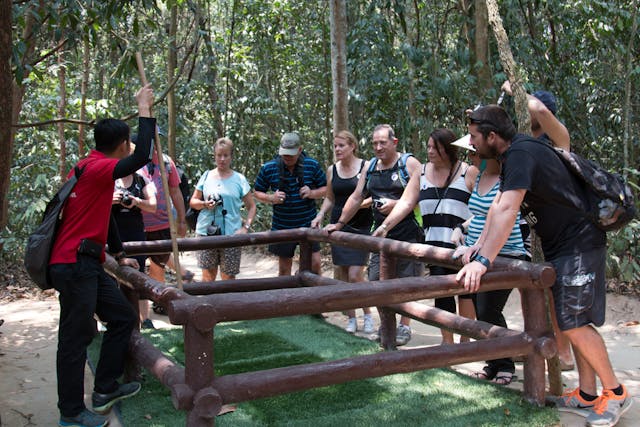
{"type": "Point", "coordinates": [403, 335]}
{"type": "Point", "coordinates": [352, 326]}
{"type": "Point", "coordinates": [86, 418]}
{"type": "Point", "coordinates": [609, 408]}
{"type": "Point", "coordinates": [103, 402]}
{"type": "Point", "coordinates": [571, 401]}
{"type": "Point", "coordinates": [368, 324]}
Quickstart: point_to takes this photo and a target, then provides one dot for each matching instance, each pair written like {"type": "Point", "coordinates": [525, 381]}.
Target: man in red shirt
{"type": "Point", "coordinates": [76, 271]}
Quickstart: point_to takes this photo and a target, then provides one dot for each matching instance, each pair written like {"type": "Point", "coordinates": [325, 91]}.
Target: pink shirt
{"type": "Point", "coordinates": [159, 220]}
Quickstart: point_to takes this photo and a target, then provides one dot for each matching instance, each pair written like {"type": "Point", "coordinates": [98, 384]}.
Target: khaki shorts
{"type": "Point", "coordinates": [228, 259]}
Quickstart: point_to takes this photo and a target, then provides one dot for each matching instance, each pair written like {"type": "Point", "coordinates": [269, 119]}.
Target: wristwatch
{"type": "Point", "coordinates": [482, 260]}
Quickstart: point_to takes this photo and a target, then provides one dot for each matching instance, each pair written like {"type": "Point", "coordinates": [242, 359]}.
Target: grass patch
{"type": "Point", "coordinates": [437, 397]}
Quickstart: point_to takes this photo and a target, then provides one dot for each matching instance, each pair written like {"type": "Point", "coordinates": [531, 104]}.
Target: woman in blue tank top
{"type": "Point", "coordinates": [342, 178]}
{"type": "Point", "coordinates": [489, 305]}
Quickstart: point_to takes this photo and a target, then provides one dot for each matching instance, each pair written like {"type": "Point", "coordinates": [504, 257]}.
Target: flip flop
{"type": "Point", "coordinates": [503, 378]}
{"type": "Point", "coordinates": [486, 374]}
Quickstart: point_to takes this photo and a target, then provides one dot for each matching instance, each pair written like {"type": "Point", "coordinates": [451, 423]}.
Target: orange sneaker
{"type": "Point", "coordinates": [571, 401]}
{"type": "Point", "coordinates": [609, 408]}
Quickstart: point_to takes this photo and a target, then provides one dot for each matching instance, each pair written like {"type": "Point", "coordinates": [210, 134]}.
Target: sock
{"type": "Point", "coordinates": [619, 391]}
{"type": "Point", "coordinates": [587, 397]}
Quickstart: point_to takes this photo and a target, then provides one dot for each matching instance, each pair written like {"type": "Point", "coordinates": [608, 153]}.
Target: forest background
{"type": "Point", "coordinates": [253, 69]}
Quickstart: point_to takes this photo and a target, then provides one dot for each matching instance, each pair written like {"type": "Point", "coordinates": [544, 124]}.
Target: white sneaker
{"type": "Point", "coordinates": [352, 326]}
{"type": "Point", "coordinates": [368, 324]}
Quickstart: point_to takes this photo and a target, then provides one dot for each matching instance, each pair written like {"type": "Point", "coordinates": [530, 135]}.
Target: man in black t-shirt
{"type": "Point", "coordinates": [535, 181]}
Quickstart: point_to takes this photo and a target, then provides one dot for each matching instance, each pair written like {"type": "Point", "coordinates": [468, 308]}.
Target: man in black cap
{"type": "Point", "coordinates": [544, 123]}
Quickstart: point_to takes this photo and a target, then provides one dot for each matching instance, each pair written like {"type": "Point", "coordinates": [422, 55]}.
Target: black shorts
{"type": "Point", "coordinates": [288, 249]}
{"type": "Point", "coordinates": [579, 293]}
{"type": "Point", "coordinates": [164, 234]}
{"type": "Point", "coordinates": [404, 267]}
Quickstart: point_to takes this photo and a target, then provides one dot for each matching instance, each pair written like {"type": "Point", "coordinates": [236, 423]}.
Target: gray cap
{"type": "Point", "coordinates": [289, 144]}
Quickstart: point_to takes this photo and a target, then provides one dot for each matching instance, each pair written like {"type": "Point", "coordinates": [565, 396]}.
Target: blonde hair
{"type": "Point", "coordinates": [350, 138]}
{"type": "Point", "coordinates": [223, 142]}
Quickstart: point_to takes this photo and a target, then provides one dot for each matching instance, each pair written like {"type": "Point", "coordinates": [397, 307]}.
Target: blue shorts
{"type": "Point", "coordinates": [579, 293]}
{"type": "Point", "coordinates": [288, 249]}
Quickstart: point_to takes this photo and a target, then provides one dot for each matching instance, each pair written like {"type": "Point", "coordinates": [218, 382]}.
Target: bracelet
{"type": "Point", "coordinates": [120, 255]}
{"type": "Point", "coordinates": [482, 260]}
{"type": "Point", "coordinates": [247, 225]}
{"type": "Point", "coordinates": [384, 226]}
{"type": "Point", "coordinates": [461, 227]}
{"type": "Point", "coordinates": [341, 222]}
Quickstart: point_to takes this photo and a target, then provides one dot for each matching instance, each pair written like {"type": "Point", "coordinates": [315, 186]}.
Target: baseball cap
{"type": "Point", "coordinates": [464, 143]}
{"type": "Point", "coordinates": [289, 144]}
{"type": "Point", "coordinates": [547, 99]}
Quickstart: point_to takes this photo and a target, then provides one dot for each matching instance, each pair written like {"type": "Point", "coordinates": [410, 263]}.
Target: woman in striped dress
{"type": "Point", "coordinates": [445, 188]}
{"type": "Point", "coordinates": [489, 305]}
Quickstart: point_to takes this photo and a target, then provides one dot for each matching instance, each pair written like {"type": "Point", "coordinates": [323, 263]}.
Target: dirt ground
{"type": "Point", "coordinates": [28, 339]}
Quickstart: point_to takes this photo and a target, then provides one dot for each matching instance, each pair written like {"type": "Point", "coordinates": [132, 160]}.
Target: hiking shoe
{"type": "Point", "coordinates": [572, 402]}
{"type": "Point", "coordinates": [352, 326]}
{"type": "Point", "coordinates": [368, 324]}
{"type": "Point", "coordinates": [403, 335]}
{"type": "Point", "coordinates": [103, 402]}
{"type": "Point", "coordinates": [147, 324]}
{"type": "Point", "coordinates": [609, 408]}
{"type": "Point", "coordinates": [86, 418]}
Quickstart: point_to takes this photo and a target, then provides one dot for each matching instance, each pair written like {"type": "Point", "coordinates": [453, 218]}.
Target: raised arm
{"type": "Point", "coordinates": [146, 128]}
{"type": "Point", "coordinates": [549, 123]}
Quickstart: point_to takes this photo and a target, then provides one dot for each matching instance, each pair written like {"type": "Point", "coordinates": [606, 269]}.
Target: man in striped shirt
{"type": "Point", "coordinates": [295, 181]}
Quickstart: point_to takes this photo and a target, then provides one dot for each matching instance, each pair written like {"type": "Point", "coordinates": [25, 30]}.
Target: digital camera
{"type": "Point", "coordinates": [378, 203]}
{"type": "Point", "coordinates": [126, 197]}
{"type": "Point", "coordinates": [216, 199]}
{"type": "Point", "coordinates": [213, 230]}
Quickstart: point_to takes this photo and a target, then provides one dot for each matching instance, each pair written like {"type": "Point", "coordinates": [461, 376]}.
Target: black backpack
{"type": "Point", "coordinates": [299, 171]}
{"type": "Point", "coordinates": [38, 250]}
{"type": "Point", "coordinates": [611, 201]}
{"type": "Point", "coordinates": [185, 187]}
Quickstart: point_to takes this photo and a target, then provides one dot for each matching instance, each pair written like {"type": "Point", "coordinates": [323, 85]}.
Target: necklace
{"type": "Point", "coordinates": [447, 183]}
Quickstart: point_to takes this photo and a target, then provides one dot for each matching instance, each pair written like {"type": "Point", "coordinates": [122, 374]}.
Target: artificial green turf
{"type": "Point", "coordinates": [437, 397]}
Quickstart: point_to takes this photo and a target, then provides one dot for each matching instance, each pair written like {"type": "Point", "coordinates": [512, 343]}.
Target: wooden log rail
{"type": "Point", "coordinates": [197, 390]}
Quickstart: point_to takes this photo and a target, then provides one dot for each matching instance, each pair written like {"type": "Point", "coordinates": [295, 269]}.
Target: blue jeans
{"type": "Point", "coordinates": [86, 289]}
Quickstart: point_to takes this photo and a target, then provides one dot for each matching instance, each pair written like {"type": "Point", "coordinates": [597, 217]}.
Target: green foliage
{"type": "Point", "coordinates": [260, 68]}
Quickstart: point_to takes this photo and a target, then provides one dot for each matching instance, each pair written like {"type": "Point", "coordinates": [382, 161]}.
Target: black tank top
{"type": "Point", "coordinates": [130, 219]}
{"type": "Point", "coordinates": [342, 189]}
{"type": "Point", "coordinates": [387, 184]}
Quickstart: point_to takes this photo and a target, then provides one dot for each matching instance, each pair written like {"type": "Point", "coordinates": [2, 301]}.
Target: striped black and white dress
{"type": "Point", "coordinates": [442, 208]}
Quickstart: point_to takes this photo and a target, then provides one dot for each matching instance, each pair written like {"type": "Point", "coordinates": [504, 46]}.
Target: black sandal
{"type": "Point", "coordinates": [504, 378]}
{"type": "Point", "coordinates": [487, 374]}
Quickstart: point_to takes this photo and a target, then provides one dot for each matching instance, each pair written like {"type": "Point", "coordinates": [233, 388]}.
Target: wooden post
{"type": "Point", "coordinates": [535, 324]}
{"type": "Point", "coordinates": [165, 186]}
{"type": "Point", "coordinates": [387, 316]}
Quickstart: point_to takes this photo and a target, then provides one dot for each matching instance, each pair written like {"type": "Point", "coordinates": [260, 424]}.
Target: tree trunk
{"type": "Point", "coordinates": [211, 72]}
{"type": "Point", "coordinates": [338, 21]}
{"type": "Point", "coordinates": [16, 94]}
{"type": "Point", "coordinates": [514, 74]}
{"type": "Point", "coordinates": [481, 48]}
{"type": "Point", "coordinates": [626, 108]}
{"type": "Point", "coordinates": [172, 63]}
{"type": "Point", "coordinates": [62, 108]}
{"type": "Point", "coordinates": [6, 113]}
{"type": "Point", "coordinates": [83, 94]}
